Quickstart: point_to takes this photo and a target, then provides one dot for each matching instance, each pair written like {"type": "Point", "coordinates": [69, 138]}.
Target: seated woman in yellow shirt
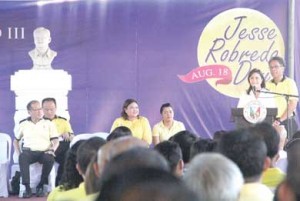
{"type": "Point", "coordinates": [167, 127]}
{"type": "Point", "coordinates": [130, 118]}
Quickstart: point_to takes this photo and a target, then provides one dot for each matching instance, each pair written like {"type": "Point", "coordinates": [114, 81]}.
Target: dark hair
{"type": "Point", "coordinates": [278, 59]}
{"type": "Point", "coordinates": [296, 134]}
{"type": "Point", "coordinates": [163, 106]}
{"type": "Point", "coordinates": [263, 83]}
{"type": "Point", "coordinates": [218, 134]}
{"type": "Point", "coordinates": [171, 151]}
{"type": "Point", "coordinates": [120, 131]}
{"type": "Point", "coordinates": [125, 105]}
{"type": "Point", "coordinates": [87, 151]}
{"type": "Point", "coordinates": [49, 100]}
{"type": "Point", "coordinates": [185, 139]}
{"type": "Point", "coordinates": [292, 175]}
{"type": "Point", "coordinates": [30, 104]}
{"type": "Point", "coordinates": [71, 178]}
{"type": "Point", "coordinates": [132, 158]}
{"type": "Point", "coordinates": [122, 184]}
{"type": "Point", "coordinates": [201, 146]}
{"type": "Point", "coordinates": [270, 137]}
{"type": "Point", "coordinates": [248, 151]}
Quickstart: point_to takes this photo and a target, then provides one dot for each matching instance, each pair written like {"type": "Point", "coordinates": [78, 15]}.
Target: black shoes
{"type": "Point", "coordinates": [27, 193]}
{"type": "Point", "coordinates": [40, 191]}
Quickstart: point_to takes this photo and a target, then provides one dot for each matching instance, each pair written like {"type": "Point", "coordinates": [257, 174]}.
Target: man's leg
{"type": "Point", "coordinates": [60, 155]}
{"type": "Point", "coordinates": [26, 158]}
{"type": "Point", "coordinates": [47, 160]}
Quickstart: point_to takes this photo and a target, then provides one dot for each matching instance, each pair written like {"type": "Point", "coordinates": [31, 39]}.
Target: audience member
{"type": "Point", "coordinates": [289, 190]}
{"type": "Point", "coordinates": [283, 85]}
{"type": "Point", "coordinates": [171, 151]}
{"type": "Point", "coordinates": [185, 139]}
{"type": "Point", "coordinates": [147, 184]}
{"type": "Point", "coordinates": [104, 156]}
{"type": "Point", "coordinates": [70, 178]}
{"type": "Point", "coordinates": [201, 146]}
{"type": "Point", "coordinates": [213, 177]}
{"type": "Point", "coordinates": [130, 118]}
{"type": "Point", "coordinates": [119, 132]}
{"type": "Point", "coordinates": [218, 134]}
{"type": "Point", "coordinates": [86, 151]}
{"type": "Point", "coordinates": [64, 130]}
{"type": "Point", "coordinates": [168, 126]}
{"type": "Point", "coordinates": [249, 152]}
{"type": "Point", "coordinates": [40, 140]}
{"type": "Point", "coordinates": [272, 175]}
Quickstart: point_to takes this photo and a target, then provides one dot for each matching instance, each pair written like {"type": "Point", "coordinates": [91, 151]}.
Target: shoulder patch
{"type": "Point", "coordinates": [59, 117]}
{"type": "Point", "coordinates": [27, 119]}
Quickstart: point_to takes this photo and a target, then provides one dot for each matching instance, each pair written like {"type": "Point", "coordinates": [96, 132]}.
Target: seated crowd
{"type": "Point", "coordinates": [167, 162]}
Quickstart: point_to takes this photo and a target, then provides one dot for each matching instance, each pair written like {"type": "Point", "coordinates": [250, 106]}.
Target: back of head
{"type": "Point", "coordinates": [87, 151]}
{"type": "Point", "coordinates": [115, 147]}
{"type": "Point", "coordinates": [70, 177]}
{"type": "Point", "coordinates": [201, 146]}
{"type": "Point", "coordinates": [214, 177]}
{"type": "Point", "coordinates": [248, 151]}
{"type": "Point", "coordinates": [118, 132]}
{"type": "Point", "coordinates": [134, 158]}
{"type": "Point", "coordinates": [158, 191]}
{"type": "Point", "coordinates": [218, 134]}
{"type": "Point", "coordinates": [171, 152]}
{"type": "Point", "coordinates": [269, 135]}
{"type": "Point", "coordinates": [293, 176]}
{"type": "Point", "coordinates": [185, 139]}
{"type": "Point", "coordinates": [134, 183]}
{"type": "Point", "coordinates": [296, 135]}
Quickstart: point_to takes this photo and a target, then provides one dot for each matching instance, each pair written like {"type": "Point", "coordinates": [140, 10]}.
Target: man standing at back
{"type": "Point", "coordinates": [64, 130]}
{"type": "Point", "coordinates": [39, 144]}
{"type": "Point", "coordinates": [283, 85]}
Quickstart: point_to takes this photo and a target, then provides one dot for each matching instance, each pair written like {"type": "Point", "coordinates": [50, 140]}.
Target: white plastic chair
{"type": "Point", "coordinates": [5, 156]}
{"type": "Point", "coordinates": [85, 136]}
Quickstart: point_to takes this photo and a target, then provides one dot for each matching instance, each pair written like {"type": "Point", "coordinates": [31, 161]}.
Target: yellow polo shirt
{"type": "Point", "coordinates": [165, 133]}
{"type": "Point", "coordinates": [140, 127]}
{"type": "Point", "coordinates": [74, 194]}
{"type": "Point", "coordinates": [286, 86]}
{"type": "Point", "coordinates": [62, 125]}
{"type": "Point", "coordinates": [37, 136]}
{"type": "Point", "coordinates": [272, 177]}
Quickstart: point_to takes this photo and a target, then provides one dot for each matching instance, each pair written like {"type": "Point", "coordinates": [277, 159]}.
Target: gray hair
{"type": "Point", "coordinates": [214, 177]}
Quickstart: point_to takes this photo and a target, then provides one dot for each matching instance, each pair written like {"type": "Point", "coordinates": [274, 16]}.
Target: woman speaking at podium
{"type": "Point", "coordinates": [257, 91]}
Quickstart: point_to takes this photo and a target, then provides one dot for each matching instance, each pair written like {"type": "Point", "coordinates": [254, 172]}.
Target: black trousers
{"type": "Point", "coordinates": [60, 155]}
{"type": "Point", "coordinates": [28, 157]}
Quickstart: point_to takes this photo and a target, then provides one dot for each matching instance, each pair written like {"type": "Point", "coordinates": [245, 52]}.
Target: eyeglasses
{"type": "Point", "coordinates": [35, 109]}
{"type": "Point", "coordinates": [274, 67]}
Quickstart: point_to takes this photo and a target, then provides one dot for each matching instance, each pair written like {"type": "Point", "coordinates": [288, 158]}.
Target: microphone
{"type": "Point", "coordinates": [253, 89]}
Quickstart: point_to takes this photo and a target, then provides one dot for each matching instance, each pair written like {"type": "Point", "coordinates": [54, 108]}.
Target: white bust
{"type": "Point", "coordinates": [42, 56]}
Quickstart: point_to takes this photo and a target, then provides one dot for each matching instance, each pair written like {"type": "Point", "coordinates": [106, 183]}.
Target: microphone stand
{"type": "Point", "coordinates": [287, 96]}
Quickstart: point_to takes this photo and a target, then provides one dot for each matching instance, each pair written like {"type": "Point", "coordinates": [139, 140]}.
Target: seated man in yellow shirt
{"type": "Point", "coordinates": [64, 130]}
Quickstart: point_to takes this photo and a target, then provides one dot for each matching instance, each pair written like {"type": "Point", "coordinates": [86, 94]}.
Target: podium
{"type": "Point", "coordinates": [237, 115]}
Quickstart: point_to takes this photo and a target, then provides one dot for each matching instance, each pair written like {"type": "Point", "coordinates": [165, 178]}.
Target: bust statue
{"type": "Point", "coordinates": [42, 56]}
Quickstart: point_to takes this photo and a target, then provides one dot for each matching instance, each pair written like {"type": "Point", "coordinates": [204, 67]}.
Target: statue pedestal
{"type": "Point", "coordinates": [39, 84]}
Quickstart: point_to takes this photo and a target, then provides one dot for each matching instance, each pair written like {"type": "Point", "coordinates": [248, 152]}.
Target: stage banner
{"type": "Point", "coordinates": [195, 54]}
